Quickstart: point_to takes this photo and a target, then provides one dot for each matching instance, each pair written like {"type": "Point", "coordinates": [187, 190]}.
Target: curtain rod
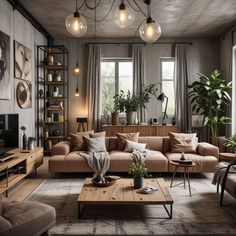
{"type": "Point", "coordinates": [188, 43]}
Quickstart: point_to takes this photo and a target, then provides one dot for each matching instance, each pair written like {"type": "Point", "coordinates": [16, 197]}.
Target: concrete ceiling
{"type": "Point", "coordinates": [178, 18]}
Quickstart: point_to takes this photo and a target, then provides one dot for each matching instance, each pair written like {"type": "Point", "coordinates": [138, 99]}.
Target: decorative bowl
{"type": "Point", "coordinates": [108, 181]}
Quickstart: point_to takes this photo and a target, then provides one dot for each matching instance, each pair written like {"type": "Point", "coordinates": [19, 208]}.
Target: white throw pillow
{"type": "Point", "coordinates": [134, 146]}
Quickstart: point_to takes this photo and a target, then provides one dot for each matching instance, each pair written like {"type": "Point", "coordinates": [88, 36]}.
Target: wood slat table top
{"type": "Point", "coordinates": [122, 192]}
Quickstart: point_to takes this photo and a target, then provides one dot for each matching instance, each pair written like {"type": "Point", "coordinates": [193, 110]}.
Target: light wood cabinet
{"type": "Point", "coordinates": [18, 167]}
{"type": "Point", "coordinates": [145, 130]}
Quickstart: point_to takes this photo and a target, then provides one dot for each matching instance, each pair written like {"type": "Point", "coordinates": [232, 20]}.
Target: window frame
{"type": "Point", "coordinates": [166, 59]}
{"type": "Point", "coordinates": [116, 60]}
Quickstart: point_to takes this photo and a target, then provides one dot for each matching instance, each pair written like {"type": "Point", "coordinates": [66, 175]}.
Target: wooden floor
{"type": "Point", "coordinates": [20, 191]}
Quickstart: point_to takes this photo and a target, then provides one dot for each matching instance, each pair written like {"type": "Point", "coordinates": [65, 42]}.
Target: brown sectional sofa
{"type": "Point", "coordinates": [65, 160]}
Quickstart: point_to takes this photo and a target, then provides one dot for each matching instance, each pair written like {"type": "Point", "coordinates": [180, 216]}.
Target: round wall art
{"type": "Point", "coordinates": [24, 94]}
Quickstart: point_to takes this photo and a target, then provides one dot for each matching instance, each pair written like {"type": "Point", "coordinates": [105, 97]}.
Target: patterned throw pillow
{"type": "Point", "coordinates": [181, 142]}
{"type": "Point", "coordinates": [122, 137]}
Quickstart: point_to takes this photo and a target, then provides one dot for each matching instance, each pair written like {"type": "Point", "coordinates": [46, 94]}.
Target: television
{"type": "Point", "coordinates": [9, 132]}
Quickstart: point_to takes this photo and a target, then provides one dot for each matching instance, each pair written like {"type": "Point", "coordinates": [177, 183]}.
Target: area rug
{"type": "Point", "coordinates": [199, 214]}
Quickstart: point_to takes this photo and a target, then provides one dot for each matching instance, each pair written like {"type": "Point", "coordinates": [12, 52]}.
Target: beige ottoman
{"type": "Point", "coordinates": [25, 218]}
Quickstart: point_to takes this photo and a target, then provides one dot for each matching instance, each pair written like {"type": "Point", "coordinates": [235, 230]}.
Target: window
{"type": "Point", "coordinates": [116, 75]}
{"type": "Point", "coordinates": [167, 84]}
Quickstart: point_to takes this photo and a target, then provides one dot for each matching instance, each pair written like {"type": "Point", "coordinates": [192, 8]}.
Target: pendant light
{"type": "Point", "coordinates": [76, 24]}
{"type": "Point", "coordinates": [150, 30]}
{"type": "Point", "coordinates": [76, 71]}
{"type": "Point", "coordinates": [123, 16]}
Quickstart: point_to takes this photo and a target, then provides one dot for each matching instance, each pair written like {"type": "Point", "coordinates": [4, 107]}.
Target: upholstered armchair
{"type": "Point", "coordinates": [229, 181]}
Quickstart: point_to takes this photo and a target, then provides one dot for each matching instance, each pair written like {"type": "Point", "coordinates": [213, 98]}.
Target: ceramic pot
{"type": "Point", "coordinates": [138, 182]}
{"type": "Point", "coordinates": [130, 117]}
{"type": "Point", "coordinates": [114, 118]}
{"type": "Point", "coordinates": [31, 145]}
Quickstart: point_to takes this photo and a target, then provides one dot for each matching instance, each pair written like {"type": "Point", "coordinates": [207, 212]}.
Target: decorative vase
{"type": "Point", "coordinates": [138, 182]}
{"type": "Point", "coordinates": [173, 121]}
{"type": "Point", "coordinates": [31, 145]}
{"type": "Point", "coordinates": [24, 142]}
{"type": "Point", "coordinates": [114, 118]}
{"type": "Point", "coordinates": [130, 117]}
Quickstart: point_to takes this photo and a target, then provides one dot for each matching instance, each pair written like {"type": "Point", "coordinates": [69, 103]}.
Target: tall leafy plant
{"type": "Point", "coordinates": [209, 97]}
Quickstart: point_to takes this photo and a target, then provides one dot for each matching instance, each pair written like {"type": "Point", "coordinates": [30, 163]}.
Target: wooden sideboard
{"type": "Point", "coordinates": [19, 166]}
{"type": "Point", "coordinates": [144, 130]}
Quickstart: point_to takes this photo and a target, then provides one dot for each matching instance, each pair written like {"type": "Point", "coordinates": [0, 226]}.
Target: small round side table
{"type": "Point", "coordinates": [186, 173]}
{"type": "Point", "coordinates": [227, 156]}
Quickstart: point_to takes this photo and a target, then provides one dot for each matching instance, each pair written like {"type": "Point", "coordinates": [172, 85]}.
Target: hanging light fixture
{"type": "Point", "coordinates": [77, 88]}
{"type": "Point", "coordinates": [76, 71]}
{"type": "Point", "coordinates": [150, 30]}
{"type": "Point", "coordinates": [123, 16]}
{"type": "Point", "coordinates": [76, 24]}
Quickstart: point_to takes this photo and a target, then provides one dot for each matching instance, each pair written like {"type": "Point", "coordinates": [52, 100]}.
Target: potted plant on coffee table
{"type": "Point", "coordinates": [209, 97]}
{"type": "Point", "coordinates": [137, 168]}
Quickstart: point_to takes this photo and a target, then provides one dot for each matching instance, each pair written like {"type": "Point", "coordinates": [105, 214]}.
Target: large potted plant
{"type": "Point", "coordinates": [209, 97]}
{"type": "Point", "coordinates": [231, 143]}
{"type": "Point", "coordinates": [131, 102]}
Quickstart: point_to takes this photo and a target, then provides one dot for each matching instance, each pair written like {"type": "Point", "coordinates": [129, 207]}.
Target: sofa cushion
{"type": "Point", "coordinates": [153, 143]}
{"type": "Point", "coordinates": [96, 135]}
{"type": "Point", "coordinates": [96, 144]}
{"type": "Point", "coordinates": [133, 146]}
{"type": "Point", "coordinates": [120, 161]}
{"type": "Point", "coordinates": [25, 218]}
{"type": "Point", "coordinates": [77, 140]}
{"type": "Point", "coordinates": [122, 137]}
{"type": "Point", "coordinates": [181, 142]}
{"type": "Point", "coordinates": [203, 163]}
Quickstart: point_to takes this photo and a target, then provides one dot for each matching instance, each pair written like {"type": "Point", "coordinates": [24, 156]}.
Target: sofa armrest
{"type": "Point", "coordinates": [61, 148]}
{"type": "Point", "coordinates": [207, 149]}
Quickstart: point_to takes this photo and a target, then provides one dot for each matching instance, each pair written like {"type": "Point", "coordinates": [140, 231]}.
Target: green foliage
{"type": "Point", "coordinates": [138, 170]}
{"type": "Point", "coordinates": [231, 143]}
{"type": "Point", "coordinates": [30, 139]}
{"type": "Point", "coordinates": [209, 96]}
{"type": "Point", "coordinates": [44, 126]}
{"type": "Point", "coordinates": [23, 128]}
{"type": "Point", "coordinates": [131, 101]}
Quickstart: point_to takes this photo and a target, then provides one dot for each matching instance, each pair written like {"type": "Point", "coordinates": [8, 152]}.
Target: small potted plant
{"type": "Point", "coordinates": [114, 113]}
{"type": "Point", "coordinates": [31, 143]}
{"type": "Point", "coordinates": [137, 168]}
{"type": "Point", "coordinates": [231, 143]}
{"type": "Point", "coordinates": [24, 138]}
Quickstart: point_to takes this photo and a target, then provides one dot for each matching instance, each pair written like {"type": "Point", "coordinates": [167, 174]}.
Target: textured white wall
{"type": "Point", "coordinates": [18, 28]}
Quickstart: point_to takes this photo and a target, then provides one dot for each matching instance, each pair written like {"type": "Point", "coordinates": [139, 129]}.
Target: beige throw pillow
{"type": "Point", "coordinates": [77, 141]}
{"type": "Point", "coordinates": [99, 134]}
{"type": "Point", "coordinates": [122, 137]}
{"type": "Point", "coordinates": [181, 142]}
{"type": "Point", "coordinates": [133, 146]}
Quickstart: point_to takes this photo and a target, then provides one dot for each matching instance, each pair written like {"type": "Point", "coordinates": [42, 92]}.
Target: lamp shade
{"type": "Point", "coordinates": [76, 25]}
{"type": "Point", "coordinates": [123, 16]}
{"type": "Point", "coordinates": [161, 97]}
{"type": "Point", "coordinates": [150, 30]}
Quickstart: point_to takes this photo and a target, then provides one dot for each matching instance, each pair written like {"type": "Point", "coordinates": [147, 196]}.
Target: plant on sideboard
{"type": "Point", "coordinates": [131, 102]}
{"type": "Point", "coordinates": [231, 143]}
{"type": "Point", "coordinates": [209, 96]}
{"type": "Point", "coordinates": [31, 143]}
{"type": "Point", "coordinates": [114, 112]}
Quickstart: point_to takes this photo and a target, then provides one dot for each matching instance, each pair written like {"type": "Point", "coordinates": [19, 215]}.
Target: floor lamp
{"type": "Point", "coordinates": [161, 98]}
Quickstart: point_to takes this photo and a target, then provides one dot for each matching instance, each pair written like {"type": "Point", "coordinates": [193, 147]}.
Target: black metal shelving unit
{"type": "Point", "coordinates": [52, 109]}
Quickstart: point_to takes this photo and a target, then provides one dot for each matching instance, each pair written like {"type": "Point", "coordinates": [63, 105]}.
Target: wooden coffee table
{"type": "Point", "coordinates": [122, 192]}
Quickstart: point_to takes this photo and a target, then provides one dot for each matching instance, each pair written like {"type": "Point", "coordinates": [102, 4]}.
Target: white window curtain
{"type": "Point", "coordinates": [93, 87]}
{"type": "Point", "coordinates": [183, 111]}
{"type": "Point", "coordinates": [139, 78]}
{"type": "Point", "coordinates": [233, 114]}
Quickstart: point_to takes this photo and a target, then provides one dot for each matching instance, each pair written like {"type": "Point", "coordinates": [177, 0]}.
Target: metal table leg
{"type": "Point", "coordinates": [173, 177]}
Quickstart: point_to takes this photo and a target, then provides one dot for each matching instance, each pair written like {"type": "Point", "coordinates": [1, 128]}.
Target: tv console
{"type": "Point", "coordinates": [18, 167]}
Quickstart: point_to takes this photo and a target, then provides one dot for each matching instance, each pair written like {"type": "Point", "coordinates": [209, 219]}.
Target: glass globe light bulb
{"type": "Point", "coordinates": [123, 16]}
{"type": "Point", "coordinates": [150, 30]}
{"type": "Point", "coordinates": [76, 25]}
